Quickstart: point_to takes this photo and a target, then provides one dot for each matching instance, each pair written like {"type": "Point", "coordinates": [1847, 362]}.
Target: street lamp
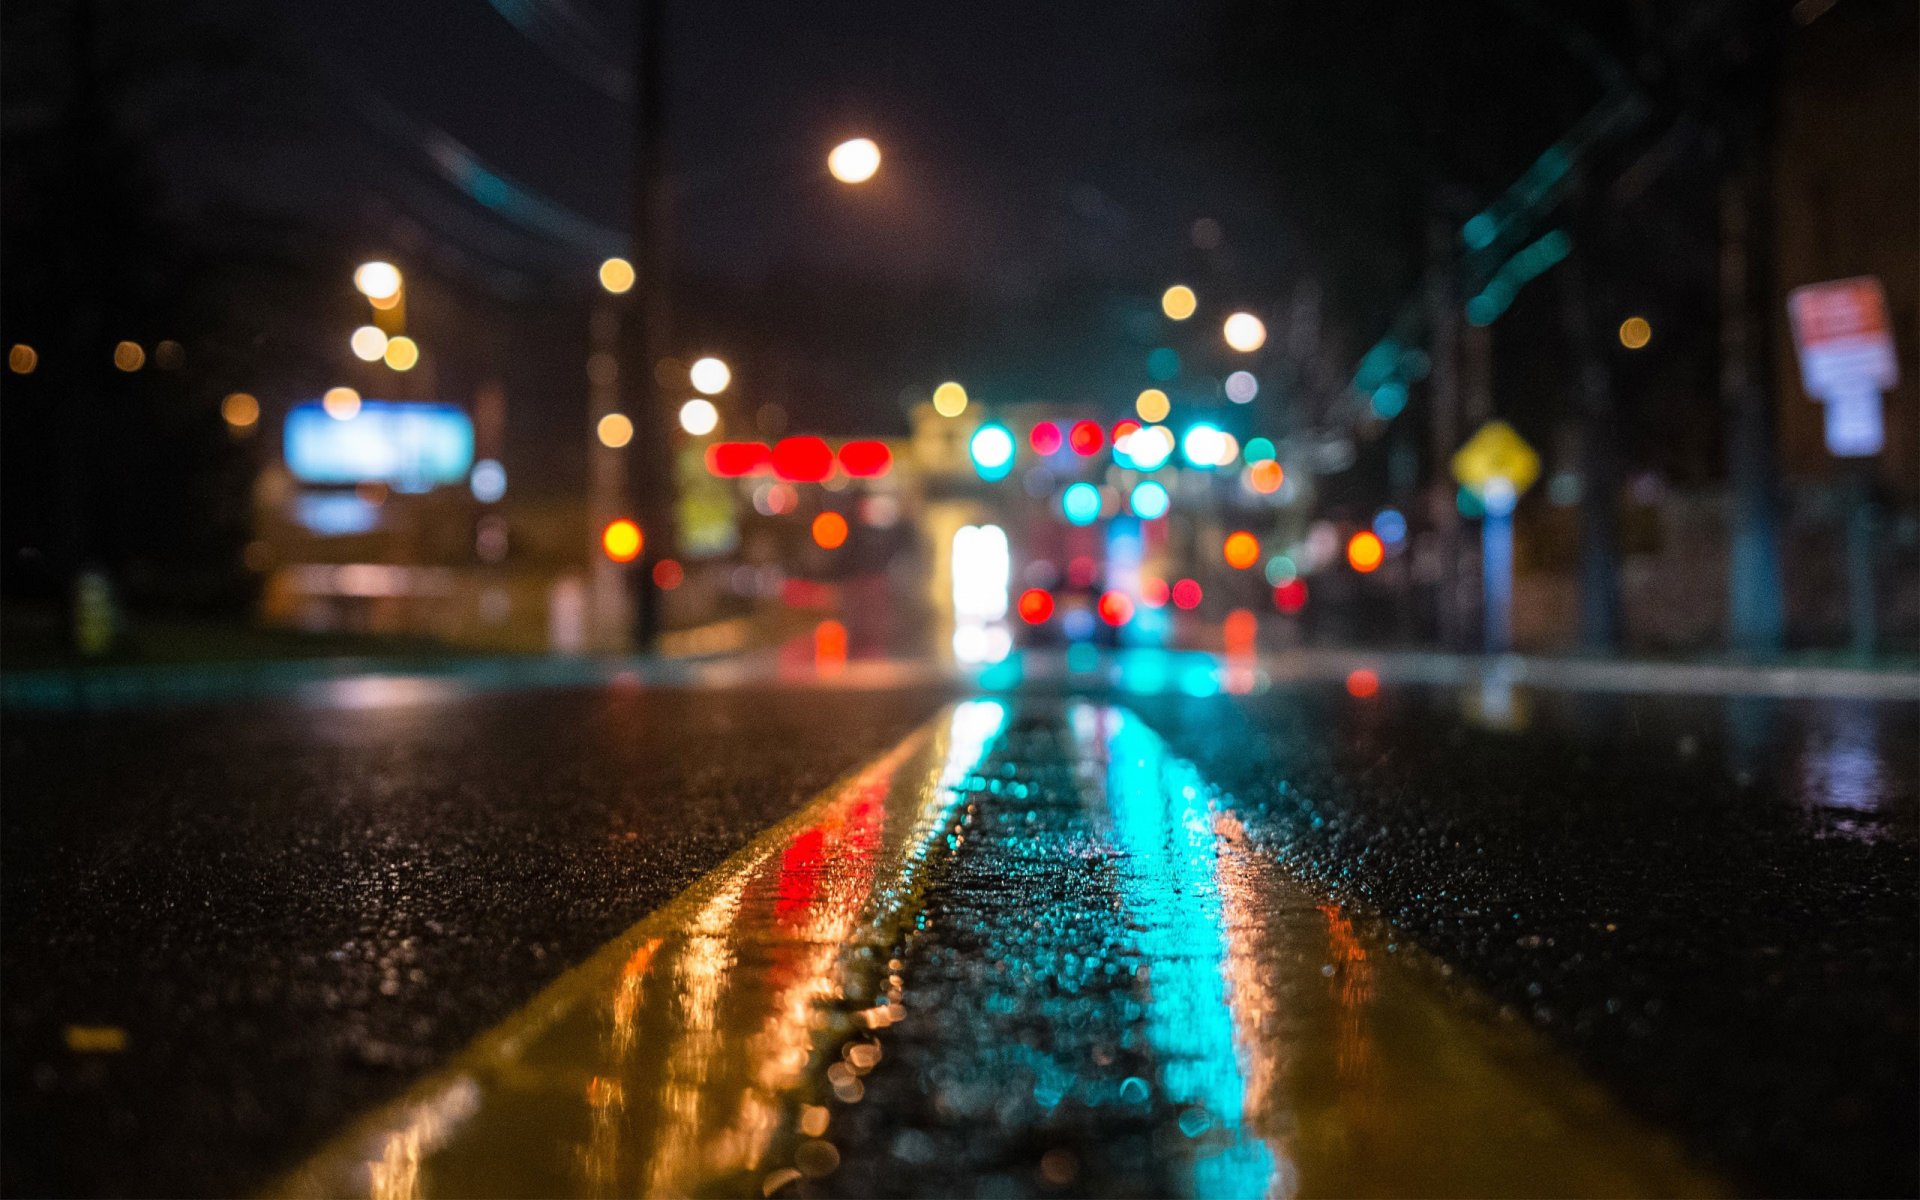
{"type": "Point", "coordinates": [854, 161]}
{"type": "Point", "coordinates": [710, 376]}
{"type": "Point", "coordinates": [377, 281]}
{"type": "Point", "coordinates": [616, 275]}
{"type": "Point", "coordinates": [1245, 332]}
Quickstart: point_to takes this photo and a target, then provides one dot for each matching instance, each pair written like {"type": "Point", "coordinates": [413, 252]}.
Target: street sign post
{"type": "Point", "coordinates": [1845, 344]}
{"type": "Point", "coordinates": [1497, 465]}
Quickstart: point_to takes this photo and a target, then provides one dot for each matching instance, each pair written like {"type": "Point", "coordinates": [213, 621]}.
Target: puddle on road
{"type": "Point", "coordinates": [1013, 957]}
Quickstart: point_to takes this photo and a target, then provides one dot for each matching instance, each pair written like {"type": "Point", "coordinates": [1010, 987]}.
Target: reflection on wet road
{"type": "Point", "coordinates": [1029, 951]}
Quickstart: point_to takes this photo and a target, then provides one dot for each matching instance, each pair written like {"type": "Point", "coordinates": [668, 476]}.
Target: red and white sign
{"type": "Point", "coordinates": [1845, 341]}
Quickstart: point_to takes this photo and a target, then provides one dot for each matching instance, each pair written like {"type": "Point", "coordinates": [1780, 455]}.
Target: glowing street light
{"type": "Point", "coordinates": [854, 161]}
{"type": "Point", "coordinates": [1635, 333]}
{"type": "Point", "coordinates": [950, 399]}
{"type": "Point", "coordinates": [240, 410]}
{"type": "Point", "coordinates": [616, 275]}
{"type": "Point", "coordinates": [614, 430]}
{"type": "Point", "coordinates": [369, 343]}
{"type": "Point", "coordinates": [1245, 332]}
{"type": "Point", "coordinates": [699, 417]}
{"type": "Point", "coordinates": [377, 280]}
{"type": "Point", "coordinates": [710, 376]}
{"type": "Point", "coordinates": [1179, 302]}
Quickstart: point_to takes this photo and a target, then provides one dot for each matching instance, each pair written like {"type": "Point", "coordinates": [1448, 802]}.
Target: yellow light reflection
{"type": "Point", "coordinates": [128, 356]}
{"type": "Point", "coordinates": [368, 343]}
{"type": "Point", "coordinates": [854, 161]}
{"type": "Point", "coordinates": [1245, 332]}
{"type": "Point", "coordinates": [341, 403]}
{"type": "Point", "coordinates": [1179, 302]}
{"type": "Point", "coordinates": [1635, 333]}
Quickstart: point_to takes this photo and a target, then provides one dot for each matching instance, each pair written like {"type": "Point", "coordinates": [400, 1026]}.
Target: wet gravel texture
{"type": "Point", "coordinates": [1713, 903]}
{"type": "Point", "coordinates": [291, 912]}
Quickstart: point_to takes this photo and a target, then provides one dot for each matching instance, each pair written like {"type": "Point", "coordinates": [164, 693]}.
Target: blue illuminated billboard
{"type": "Point", "coordinates": [409, 447]}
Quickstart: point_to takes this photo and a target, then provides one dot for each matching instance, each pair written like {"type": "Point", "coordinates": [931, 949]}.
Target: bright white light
{"type": "Point", "coordinates": [1242, 387]}
{"type": "Point", "coordinates": [991, 447]}
{"type": "Point", "coordinates": [854, 161]}
{"type": "Point", "coordinates": [1498, 496]}
{"type": "Point", "coordinates": [1245, 332]}
{"type": "Point", "coordinates": [369, 343]}
{"type": "Point", "coordinates": [976, 643]}
{"type": "Point", "coordinates": [377, 280]}
{"type": "Point", "coordinates": [982, 567]}
{"type": "Point", "coordinates": [710, 376]}
{"type": "Point", "coordinates": [1202, 446]}
{"type": "Point", "coordinates": [488, 481]}
{"type": "Point", "coordinates": [699, 417]}
{"type": "Point", "coordinates": [1150, 448]}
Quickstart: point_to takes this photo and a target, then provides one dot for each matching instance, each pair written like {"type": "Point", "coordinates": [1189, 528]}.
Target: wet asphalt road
{"type": "Point", "coordinates": [1709, 905]}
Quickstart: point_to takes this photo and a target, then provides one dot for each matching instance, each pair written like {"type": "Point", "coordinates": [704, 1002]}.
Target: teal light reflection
{"type": "Point", "coordinates": [1159, 805]}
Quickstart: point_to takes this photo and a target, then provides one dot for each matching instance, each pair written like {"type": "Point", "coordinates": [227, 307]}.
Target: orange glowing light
{"type": "Point", "coordinates": [830, 645]}
{"type": "Point", "coordinates": [1364, 552]}
{"type": "Point", "coordinates": [622, 540]}
{"type": "Point", "coordinates": [1362, 684]}
{"type": "Point", "coordinates": [1242, 550]}
{"type": "Point", "coordinates": [1116, 608]}
{"type": "Point", "coordinates": [1266, 476]}
{"type": "Point", "coordinates": [829, 530]}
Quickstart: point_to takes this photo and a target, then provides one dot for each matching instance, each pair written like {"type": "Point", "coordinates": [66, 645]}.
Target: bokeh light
{"type": "Point", "coordinates": [240, 410]}
{"type": "Point", "coordinates": [699, 417]}
{"type": "Point", "coordinates": [1363, 684]}
{"type": "Point", "coordinates": [1116, 608]}
{"type": "Point", "coordinates": [1086, 438]}
{"type": "Point", "coordinates": [1045, 438]}
{"type": "Point", "coordinates": [341, 403]}
{"type": "Point", "coordinates": [377, 280]}
{"type": "Point", "coordinates": [1187, 594]}
{"type": "Point", "coordinates": [22, 359]}
{"type": "Point", "coordinates": [1242, 387]}
{"type": "Point", "coordinates": [1036, 605]}
{"type": "Point", "coordinates": [829, 531]}
{"type": "Point", "coordinates": [1291, 596]}
{"type": "Point", "coordinates": [1364, 552]}
{"type": "Point", "coordinates": [950, 399]}
{"type": "Point", "coordinates": [622, 540]}
{"type": "Point", "coordinates": [1241, 550]}
{"type": "Point", "coordinates": [991, 449]}
{"type": "Point", "coordinates": [668, 574]}
{"type": "Point", "coordinates": [128, 356]}
{"type": "Point", "coordinates": [1179, 303]}
{"type": "Point", "coordinates": [614, 430]}
{"type": "Point", "coordinates": [854, 161]}
{"type": "Point", "coordinates": [369, 343]}
{"type": "Point", "coordinates": [1266, 476]}
{"type": "Point", "coordinates": [1635, 333]}
{"type": "Point", "coordinates": [1390, 526]}
{"type": "Point", "coordinates": [1149, 500]}
{"type": "Point", "coordinates": [1150, 448]}
{"type": "Point", "coordinates": [1153, 405]}
{"type": "Point", "coordinates": [487, 481]}
{"type": "Point", "coordinates": [709, 376]}
{"type": "Point", "coordinates": [616, 275]}
{"type": "Point", "coordinates": [1080, 503]}
{"type": "Point", "coordinates": [1245, 332]}
{"type": "Point", "coordinates": [401, 353]}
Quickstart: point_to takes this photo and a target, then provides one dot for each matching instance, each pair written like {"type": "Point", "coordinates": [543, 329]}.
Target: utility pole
{"type": "Point", "coordinates": [647, 333]}
{"type": "Point", "coordinates": [1443, 312]}
{"type": "Point", "coordinates": [1755, 608]}
{"type": "Point", "coordinates": [1599, 450]}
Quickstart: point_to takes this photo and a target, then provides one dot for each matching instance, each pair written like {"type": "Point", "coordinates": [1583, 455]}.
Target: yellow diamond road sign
{"type": "Point", "coordinates": [1496, 452]}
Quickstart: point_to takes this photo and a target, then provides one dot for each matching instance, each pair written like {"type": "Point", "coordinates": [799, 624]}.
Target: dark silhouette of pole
{"type": "Point", "coordinates": [647, 331]}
